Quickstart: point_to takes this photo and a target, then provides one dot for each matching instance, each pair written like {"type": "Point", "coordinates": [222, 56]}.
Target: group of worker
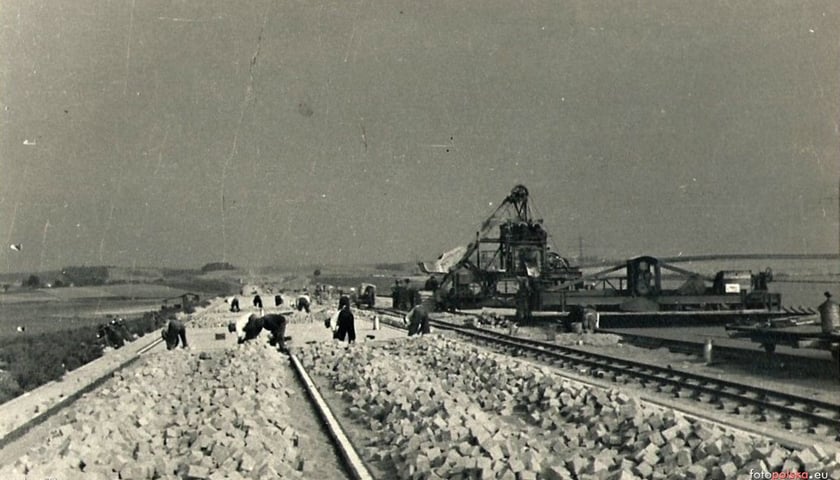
{"type": "Point", "coordinates": [114, 334]}
{"type": "Point", "coordinates": [404, 296]}
{"type": "Point", "coordinates": [249, 327]}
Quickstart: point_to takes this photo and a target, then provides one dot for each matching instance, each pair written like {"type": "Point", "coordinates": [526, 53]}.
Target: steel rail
{"type": "Point", "coordinates": [746, 398]}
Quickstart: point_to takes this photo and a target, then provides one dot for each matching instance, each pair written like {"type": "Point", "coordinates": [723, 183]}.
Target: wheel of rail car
{"type": "Point", "coordinates": [769, 347]}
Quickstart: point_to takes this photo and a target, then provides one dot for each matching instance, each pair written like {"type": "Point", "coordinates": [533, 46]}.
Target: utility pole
{"type": "Point", "coordinates": [580, 247]}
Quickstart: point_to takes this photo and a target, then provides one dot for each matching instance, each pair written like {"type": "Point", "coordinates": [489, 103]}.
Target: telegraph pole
{"type": "Point", "coordinates": [580, 247]}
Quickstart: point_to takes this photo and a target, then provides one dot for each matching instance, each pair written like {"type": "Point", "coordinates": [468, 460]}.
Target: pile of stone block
{"type": "Point", "coordinates": [177, 415]}
{"type": "Point", "coordinates": [438, 408]}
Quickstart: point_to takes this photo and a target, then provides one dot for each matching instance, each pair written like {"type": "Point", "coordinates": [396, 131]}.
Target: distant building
{"type": "Point", "coordinates": [181, 300]}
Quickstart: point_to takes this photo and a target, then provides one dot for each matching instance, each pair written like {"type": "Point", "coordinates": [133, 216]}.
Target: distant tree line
{"type": "Point", "coordinates": [84, 276]}
{"type": "Point", "coordinates": [29, 361]}
{"type": "Point", "coordinates": [214, 266]}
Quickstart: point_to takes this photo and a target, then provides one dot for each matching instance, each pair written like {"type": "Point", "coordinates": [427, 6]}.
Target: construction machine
{"type": "Point", "coordinates": [510, 264]}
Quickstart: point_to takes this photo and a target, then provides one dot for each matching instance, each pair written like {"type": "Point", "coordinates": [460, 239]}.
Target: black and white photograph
{"type": "Point", "coordinates": [419, 240]}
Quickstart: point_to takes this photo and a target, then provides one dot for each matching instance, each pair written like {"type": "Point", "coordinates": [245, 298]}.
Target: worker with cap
{"type": "Point", "coordinates": [174, 331]}
{"type": "Point", "coordinates": [829, 314]}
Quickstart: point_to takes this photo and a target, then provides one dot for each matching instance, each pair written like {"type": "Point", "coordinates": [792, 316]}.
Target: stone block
{"type": "Point", "coordinates": [622, 475]}
{"type": "Point", "coordinates": [556, 472]}
{"type": "Point", "coordinates": [577, 464]}
{"type": "Point", "coordinates": [790, 465]}
{"type": "Point", "coordinates": [197, 472]}
{"type": "Point", "coordinates": [643, 469]}
{"type": "Point", "coordinates": [807, 458]}
{"type": "Point", "coordinates": [683, 457]}
{"type": "Point", "coordinates": [697, 472]}
{"type": "Point", "coordinates": [516, 465]}
{"type": "Point", "coordinates": [775, 458]}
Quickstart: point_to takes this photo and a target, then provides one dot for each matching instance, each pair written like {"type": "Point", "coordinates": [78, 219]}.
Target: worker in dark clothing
{"type": "Point", "coordinates": [418, 321]}
{"type": "Point", "coordinates": [395, 294]}
{"type": "Point", "coordinates": [829, 314]}
{"type": "Point", "coordinates": [278, 300]}
{"type": "Point", "coordinates": [258, 301]}
{"type": "Point", "coordinates": [110, 336]}
{"type": "Point", "coordinates": [410, 294]}
{"type": "Point", "coordinates": [234, 305]}
{"type": "Point", "coordinates": [252, 328]}
{"type": "Point", "coordinates": [173, 332]}
{"type": "Point", "coordinates": [303, 303]}
{"type": "Point", "coordinates": [346, 323]}
{"type": "Point", "coordinates": [276, 326]}
{"type": "Point", "coordinates": [121, 329]}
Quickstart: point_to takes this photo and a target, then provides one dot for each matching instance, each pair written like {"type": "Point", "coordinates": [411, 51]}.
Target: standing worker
{"type": "Point", "coordinates": [829, 314]}
{"type": "Point", "coordinates": [395, 294]}
{"type": "Point", "coordinates": [591, 319]}
{"type": "Point", "coordinates": [346, 323]}
{"type": "Point", "coordinates": [258, 301]}
{"type": "Point", "coordinates": [173, 332]}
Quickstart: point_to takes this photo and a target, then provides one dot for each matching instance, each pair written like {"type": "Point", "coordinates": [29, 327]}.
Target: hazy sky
{"type": "Point", "coordinates": [175, 133]}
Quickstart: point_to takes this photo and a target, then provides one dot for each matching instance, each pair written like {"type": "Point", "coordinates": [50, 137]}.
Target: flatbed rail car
{"type": "Point", "coordinates": [771, 334]}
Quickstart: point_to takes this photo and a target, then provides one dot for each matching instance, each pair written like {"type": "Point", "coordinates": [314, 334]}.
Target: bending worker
{"type": "Point", "coordinates": [303, 302]}
{"type": "Point", "coordinates": [173, 332]}
{"type": "Point", "coordinates": [418, 320]}
{"type": "Point", "coordinates": [248, 327]}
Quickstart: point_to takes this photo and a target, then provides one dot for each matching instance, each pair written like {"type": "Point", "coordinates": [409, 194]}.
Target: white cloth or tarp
{"type": "Point", "coordinates": [241, 321]}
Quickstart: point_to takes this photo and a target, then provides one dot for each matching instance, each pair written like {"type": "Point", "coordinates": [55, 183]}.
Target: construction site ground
{"type": "Point", "coordinates": [38, 412]}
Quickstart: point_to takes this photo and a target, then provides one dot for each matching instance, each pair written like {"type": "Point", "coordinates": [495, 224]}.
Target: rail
{"type": "Point", "coordinates": [760, 405]}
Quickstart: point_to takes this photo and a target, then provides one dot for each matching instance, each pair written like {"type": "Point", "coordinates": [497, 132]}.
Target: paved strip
{"type": "Point", "coordinates": [19, 415]}
{"type": "Point", "coordinates": [354, 463]}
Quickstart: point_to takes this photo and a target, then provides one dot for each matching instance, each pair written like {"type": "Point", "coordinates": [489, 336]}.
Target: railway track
{"type": "Point", "coordinates": [39, 430]}
{"type": "Point", "coordinates": [758, 406]}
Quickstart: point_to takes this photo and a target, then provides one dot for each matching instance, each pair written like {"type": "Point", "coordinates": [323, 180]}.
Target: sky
{"type": "Point", "coordinates": [177, 133]}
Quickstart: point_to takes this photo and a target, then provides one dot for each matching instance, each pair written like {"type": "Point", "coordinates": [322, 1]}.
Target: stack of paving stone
{"type": "Point", "coordinates": [177, 415]}
{"type": "Point", "coordinates": [597, 339]}
{"type": "Point", "coordinates": [437, 408]}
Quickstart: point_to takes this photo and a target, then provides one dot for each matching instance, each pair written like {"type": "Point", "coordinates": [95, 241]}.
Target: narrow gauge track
{"type": "Point", "coordinates": [755, 404]}
{"type": "Point", "coordinates": [35, 430]}
{"type": "Point", "coordinates": [355, 467]}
